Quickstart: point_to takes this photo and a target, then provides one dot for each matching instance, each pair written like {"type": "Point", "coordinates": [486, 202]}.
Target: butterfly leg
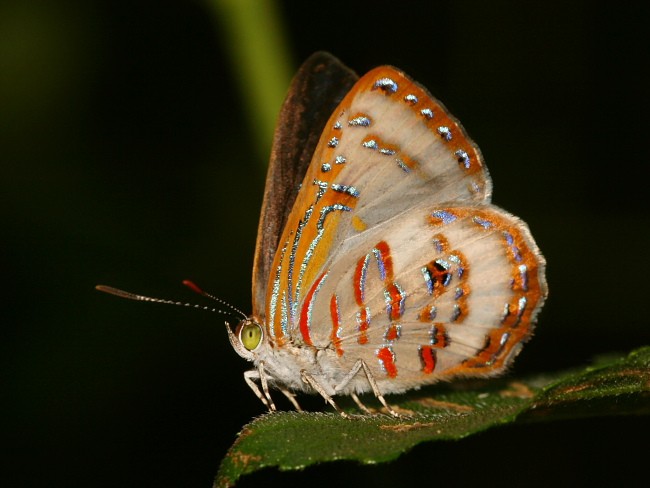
{"type": "Point", "coordinates": [360, 364]}
{"type": "Point", "coordinates": [311, 381]}
{"type": "Point", "coordinates": [258, 374]}
{"type": "Point", "coordinates": [361, 406]}
{"type": "Point", "coordinates": [292, 399]}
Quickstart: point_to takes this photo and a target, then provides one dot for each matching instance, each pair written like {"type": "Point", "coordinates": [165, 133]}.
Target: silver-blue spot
{"type": "Point", "coordinates": [446, 217]}
{"type": "Point", "coordinates": [521, 303]}
{"type": "Point", "coordinates": [437, 244]}
{"type": "Point", "coordinates": [463, 158]}
{"type": "Point", "coordinates": [427, 113]}
{"type": "Point", "coordinates": [523, 272]}
{"type": "Point", "coordinates": [387, 152]}
{"type": "Point", "coordinates": [516, 253]}
{"type": "Point", "coordinates": [380, 263]}
{"type": "Point", "coordinates": [333, 142]}
{"type": "Point", "coordinates": [371, 144]}
{"type": "Point", "coordinates": [284, 317]}
{"type": "Point", "coordinates": [433, 335]}
{"type": "Point", "coordinates": [458, 262]}
{"type": "Point", "coordinates": [325, 167]}
{"type": "Point", "coordinates": [521, 307]}
{"type": "Point", "coordinates": [506, 312]}
{"type": "Point", "coordinates": [402, 165]}
{"type": "Point", "coordinates": [322, 188]}
{"type": "Point", "coordinates": [426, 274]}
{"type": "Point", "coordinates": [337, 126]}
{"type": "Point", "coordinates": [410, 98]}
{"type": "Point", "coordinates": [444, 132]}
{"type": "Point", "coordinates": [361, 121]}
{"type": "Point", "coordinates": [386, 84]}
{"type": "Point", "coordinates": [339, 160]}
{"type": "Point", "coordinates": [362, 277]}
{"type": "Point", "coordinates": [455, 313]}
{"type": "Point", "coordinates": [486, 224]}
{"type": "Point", "coordinates": [389, 305]}
{"type": "Point", "coordinates": [350, 190]}
{"type": "Point", "coordinates": [433, 312]}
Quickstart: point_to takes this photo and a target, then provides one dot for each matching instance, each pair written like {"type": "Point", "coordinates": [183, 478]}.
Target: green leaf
{"type": "Point", "coordinates": [293, 440]}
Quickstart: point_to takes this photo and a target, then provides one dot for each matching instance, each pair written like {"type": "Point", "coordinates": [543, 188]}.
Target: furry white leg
{"type": "Point", "coordinates": [360, 364]}
{"type": "Point", "coordinates": [311, 381]}
{"type": "Point", "coordinates": [361, 406]}
{"type": "Point", "coordinates": [258, 374]}
{"type": "Point", "coordinates": [292, 399]}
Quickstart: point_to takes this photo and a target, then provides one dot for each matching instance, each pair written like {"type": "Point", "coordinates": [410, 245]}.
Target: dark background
{"type": "Point", "coordinates": [127, 159]}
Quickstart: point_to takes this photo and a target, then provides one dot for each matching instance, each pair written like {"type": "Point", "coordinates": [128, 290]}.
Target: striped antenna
{"type": "Point", "coordinates": [195, 288]}
{"type": "Point", "coordinates": [143, 298]}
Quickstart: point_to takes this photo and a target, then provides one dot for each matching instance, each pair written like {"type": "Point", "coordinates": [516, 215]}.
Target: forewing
{"type": "Point", "coordinates": [387, 147]}
{"type": "Point", "coordinates": [318, 87]}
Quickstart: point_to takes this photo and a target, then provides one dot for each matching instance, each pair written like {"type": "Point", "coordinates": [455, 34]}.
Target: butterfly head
{"type": "Point", "coordinates": [247, 339]}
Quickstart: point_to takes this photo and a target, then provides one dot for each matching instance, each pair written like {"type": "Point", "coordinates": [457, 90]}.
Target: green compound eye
{"type": "Point", "coordinates": [250, 335]}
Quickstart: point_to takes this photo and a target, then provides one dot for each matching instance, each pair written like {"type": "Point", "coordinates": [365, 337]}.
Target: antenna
{"type": "Point", "coordinates": [194, 287]}
{"type": "Point", "coordinates": [143, 298]}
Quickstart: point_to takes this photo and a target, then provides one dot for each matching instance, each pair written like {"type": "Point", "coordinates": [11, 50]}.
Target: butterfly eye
{"type": "Point", "coordinates": [250, 335]}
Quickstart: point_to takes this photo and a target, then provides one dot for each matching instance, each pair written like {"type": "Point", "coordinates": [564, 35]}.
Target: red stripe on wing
{"type": "Point", "coordinates": [336, 324]}
{"type": "Point", "coordinates": [305, 312]}
{"type": "Point", "coordinates": [387, 357]}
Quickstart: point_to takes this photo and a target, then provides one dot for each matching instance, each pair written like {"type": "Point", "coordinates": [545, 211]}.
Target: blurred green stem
{"type": "Point", "coordinates": [253, 35]}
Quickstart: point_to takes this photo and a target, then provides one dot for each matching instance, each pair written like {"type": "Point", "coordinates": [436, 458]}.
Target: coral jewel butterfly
{"type": "Point", "coordinates": [387, 268]}
{"type": "Point", "coordinates": [381, 265]}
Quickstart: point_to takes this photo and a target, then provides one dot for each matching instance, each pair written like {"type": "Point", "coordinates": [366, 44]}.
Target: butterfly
{"type": "Point", "coordinates": [381, 264]}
